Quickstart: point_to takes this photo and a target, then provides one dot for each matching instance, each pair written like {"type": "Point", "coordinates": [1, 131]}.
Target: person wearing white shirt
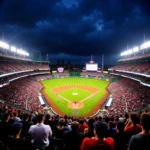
{"type": "Point", "coordinates": [40, 133]}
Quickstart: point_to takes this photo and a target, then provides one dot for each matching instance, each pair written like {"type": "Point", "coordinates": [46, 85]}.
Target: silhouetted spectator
{"type": "Point", "coordinates": [26, 125]}
{"type": "Point", "coordinates": [120, 137]}
{"type": "Point", "coordinates": [89, 132]}
{"type": "Point", "coordinates": [60, 129]}
{"type": "Point", "coordinates": [141, 141]}
{"type": "Point", "coordinates": [82, 125]}
{"type": "Point", "coordinates": [5, 128]}
{"type": "Point", "coordinates": [15, 142]}
{"type": "Point", "coordinates": [73, 138]}
{"type": "Point", "coordinates": [133, 126]}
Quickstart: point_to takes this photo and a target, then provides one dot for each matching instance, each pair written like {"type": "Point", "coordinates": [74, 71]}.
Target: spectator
{"type": "Point", "coordinates": [99, 142]}
{"type": "Point", "coordinates": [133, 125]}
{"type": "Point", "coordinates": [40, 133]}
{"type": "Point", "coordinates": [16, 118]}
{"type": "Point", "coordinates": [26, 125]}
{"type": "Point", "coordinates": [60, 129]}
{"type": "Point", "coordinates": [120, 137]}
{"type": "Point", "coordinates": [121, 118]}
{"type": "Point", "coordinates": [30, 120]}
{"type": "Point", "coordinates": [73, 138]}
{"type": "Point", "coordinates": [47, 120]}
{"type": "Point", "coordinates": [89, 132]}
{"type": "Point", "coordinates": [126, 118]}
{"type": "Point", "coordinates": [5, 128]}
{"type": "Point", "coordinates": [142, 140]}
{"type": "Point", "coordinates": [111, 129]}
{"type": "Point", "coordinates": [15, 142]}
{"type": "Point", "coordinates": [11, 120]}
{"type": "Point", "coordinates": [82, 125]}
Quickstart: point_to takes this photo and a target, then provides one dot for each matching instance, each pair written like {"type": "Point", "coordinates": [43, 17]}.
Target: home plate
{"type": "Point", "coordinates": [74, 93]}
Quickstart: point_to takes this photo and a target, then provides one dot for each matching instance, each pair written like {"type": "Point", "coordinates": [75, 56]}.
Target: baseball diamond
{"type": "Point", "coordinates": [75, 96]}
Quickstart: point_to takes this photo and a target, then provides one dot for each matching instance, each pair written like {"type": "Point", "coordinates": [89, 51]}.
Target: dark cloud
{"type": "Point", "coordinates": [75, 27]}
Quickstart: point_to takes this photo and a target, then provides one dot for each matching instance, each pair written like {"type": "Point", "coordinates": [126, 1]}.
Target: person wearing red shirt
{"type": "Point", "coordinates": [99, 142]}
{"type": "Point", "coordinates": [133, 125]}
{"type": "Point", "coordinates": [82, 125]}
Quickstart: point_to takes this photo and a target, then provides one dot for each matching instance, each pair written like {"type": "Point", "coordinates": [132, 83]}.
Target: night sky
{"type": "Point", "coordinates": [75, 29]}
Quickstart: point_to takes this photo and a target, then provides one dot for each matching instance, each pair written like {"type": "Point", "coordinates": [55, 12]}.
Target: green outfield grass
{"type": "Point", "coordinates": [62, 104]}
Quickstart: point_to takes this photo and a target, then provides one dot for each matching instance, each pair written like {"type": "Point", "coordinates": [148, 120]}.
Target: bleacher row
{"type": "Point", "coordinates": [128, 95]}
{"type": "Point", "coordinates": [23, 93]}
{"type": "Point", "coordinates": [143, 67]}
{"type": "Point", "coordinates": [7, 67]}
{"type": "Point", "coordinates": [10, 56]}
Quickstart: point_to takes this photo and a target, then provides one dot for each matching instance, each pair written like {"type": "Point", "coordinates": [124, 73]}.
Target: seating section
{"type": "Point", "coordinates": [141, 78]}
{"type": "Point", "coordinates": [134, 67]}
{"type": "Point", "coordinates": [6, 79]}
{"type": "Point", "coordinates": [128, 94]}
{"type": "Point", "coordinates": [99, 74]}
{"type": "Point", "coordinates": [22, 91]}
{"type": "Point", "coordinates": [43, 77]}
{"type": "Point", "coordinates": [7, 67]}
{"type": "Point", "coordinates": [14, 57]}
{"type": "Point", "coordinates": [59, 74]}
{"type": "Point", "coordinates": [62, 133]}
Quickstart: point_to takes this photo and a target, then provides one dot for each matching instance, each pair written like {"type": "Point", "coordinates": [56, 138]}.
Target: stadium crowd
{"type": "Point", "coordinates": [141, 78]}
{"type": "Point", "coordinates": [32, 131]}
{"type": "Point", "coordinates": [22, 93]}
{"type": "Point", "coordinates": [129, 94]}
{"type": "Point", "coordinates": [7, 67]}
{"type": "Point", "coordinates": [143, 67]}
{"type": "Point", "coordinates": [39, 73]}
{"type": "Point", "coordinates": [98, 74]}
{"type": "Point", "coordinates": [10, 56]}
{"type": "Point", "coordinates": [62, 74]}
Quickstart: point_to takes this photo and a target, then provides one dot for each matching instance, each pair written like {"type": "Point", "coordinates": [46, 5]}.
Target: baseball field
{"type": "Point", "coordinates": [75, 96]}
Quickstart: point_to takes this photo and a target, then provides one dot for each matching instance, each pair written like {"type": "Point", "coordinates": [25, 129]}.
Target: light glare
{"type": "Point", "coordinates": [136, 49]}
{"type": "Point", "coordinates": [145, 45]}
{"type": "Point", "coordinates": [4, 45]}
{"type": "Point", "coordinates": [13, 49]}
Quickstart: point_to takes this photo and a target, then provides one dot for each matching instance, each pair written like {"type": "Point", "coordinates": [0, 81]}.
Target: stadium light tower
{"type": "Point", "coordinates": [4, 45]}
{"type": "Point", "coordinates": [13, 49]}
{"type": "Point", "coordinates": [136, 49]}
{"type": "Point", "coordinates": [145, 45]}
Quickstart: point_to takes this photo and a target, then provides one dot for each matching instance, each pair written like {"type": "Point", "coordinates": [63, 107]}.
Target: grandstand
{"type": "Point", "coordinates": [18, 78]}
{"type": "Point", "coordinates": [18, 70]}
{"type": "Point", "coordinates": [22, 89]}
{"type": "Point", "coordinates": [132, 91]}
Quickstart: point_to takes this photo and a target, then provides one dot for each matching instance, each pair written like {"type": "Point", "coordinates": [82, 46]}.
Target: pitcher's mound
{"type": "Point", "coordinates": [75, 105]}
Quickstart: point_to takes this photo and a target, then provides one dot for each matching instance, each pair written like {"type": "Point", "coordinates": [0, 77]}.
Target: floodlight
{"type": "Point", "coordinates": [13, 49]}
{"type": "Point", "coordinates": [129, 51]}
{"type": "Point", "coordinates": [19, 51]}
{"type": "Point", "coordinates": [27, 54]}
{"type": "Point", "coordinates": [4, 45]}
{"type": "Point", "coordinates": [145, 45]}
{"type": "Point", "coordinates": [136, 49]}
{"type": "Point", "coordinates": [121, 54]}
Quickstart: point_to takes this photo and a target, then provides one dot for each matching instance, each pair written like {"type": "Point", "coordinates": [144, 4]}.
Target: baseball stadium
{"type": "Point", "coordinates": [34, 85]}
{"type": "Point", "coordinates": [74, 75]}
